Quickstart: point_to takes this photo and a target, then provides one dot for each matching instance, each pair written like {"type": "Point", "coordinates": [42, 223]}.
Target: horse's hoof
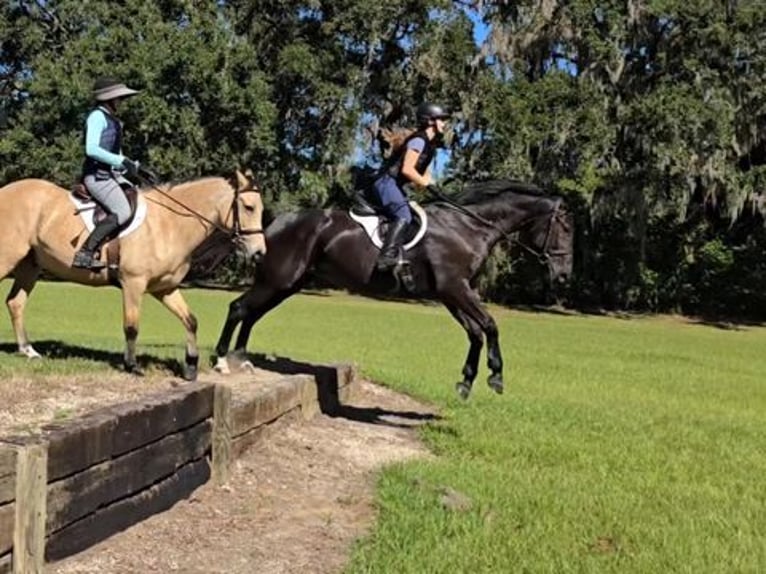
{"type": "Point", "coordinates": [134, 370]}
{"type": "Point", "coordinates": [190, 373]}
{"type": "Point", "coordinates": [222, 366]}
{"type": "Point", "coordinates": [495, 383]}
{"type": "Point", "coordinates": [29, 352]}
{"type": "Point", "coordinates": [463, 390]}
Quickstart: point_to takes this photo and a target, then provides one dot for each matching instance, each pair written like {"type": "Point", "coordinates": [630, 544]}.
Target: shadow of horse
{"type": "Point", "coordinates": [326, 378]}
{"type": "Point", "coordinates": [58, 350]}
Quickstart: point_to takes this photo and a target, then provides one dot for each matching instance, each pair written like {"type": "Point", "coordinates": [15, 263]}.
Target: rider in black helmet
{"type": "Point", "coordinates": [409, 165]}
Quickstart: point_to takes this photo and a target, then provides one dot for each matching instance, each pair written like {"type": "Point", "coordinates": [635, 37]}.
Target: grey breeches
{"type": "Point", "coordinates": [109, 194]}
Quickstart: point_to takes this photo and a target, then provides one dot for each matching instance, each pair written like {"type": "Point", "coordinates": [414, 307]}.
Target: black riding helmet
{"type": "Point", "coordinates": [428, 111]}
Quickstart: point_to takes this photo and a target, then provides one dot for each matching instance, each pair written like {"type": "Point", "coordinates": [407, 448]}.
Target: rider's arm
{"type": "Point", "coordinates": [414, 149]}
{"type": "Point", "coordinates": [95, 125]}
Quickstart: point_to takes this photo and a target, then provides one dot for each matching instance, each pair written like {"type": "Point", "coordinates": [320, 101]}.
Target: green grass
{"type": "Point", "coordinates": [619, 446]}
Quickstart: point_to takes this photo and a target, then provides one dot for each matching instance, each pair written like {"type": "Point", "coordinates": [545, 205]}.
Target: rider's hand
{"type": "Point", "coordinates": [131, 167]}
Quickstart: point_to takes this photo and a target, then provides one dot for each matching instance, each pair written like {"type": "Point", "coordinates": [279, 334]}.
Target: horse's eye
{"type": "Point", "coordinates": [249, 208]}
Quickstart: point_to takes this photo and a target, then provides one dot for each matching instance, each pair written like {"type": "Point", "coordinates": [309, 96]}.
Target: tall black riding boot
{"type": "Point", "coordinates": [87, 256]}
{"type": "Point", "coordinates": [389, 252]}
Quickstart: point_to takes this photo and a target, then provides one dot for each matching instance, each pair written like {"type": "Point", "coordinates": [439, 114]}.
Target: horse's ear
{"type": "Point", "coordinates": [244, 181]}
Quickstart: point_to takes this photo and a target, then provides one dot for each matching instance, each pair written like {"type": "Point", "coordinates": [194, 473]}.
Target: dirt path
{"type": "Point", "coordinates": [296, 502]}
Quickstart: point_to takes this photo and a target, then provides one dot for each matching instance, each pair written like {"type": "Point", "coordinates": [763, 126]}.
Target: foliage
{"type": "Point", "coordinates": [649, 116]}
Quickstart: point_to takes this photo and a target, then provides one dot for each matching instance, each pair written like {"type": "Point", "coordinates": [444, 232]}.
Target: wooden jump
{"type": "Point", "coordinates": [82, 480]}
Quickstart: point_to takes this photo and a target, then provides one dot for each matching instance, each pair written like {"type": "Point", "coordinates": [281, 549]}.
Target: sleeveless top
{"type": "Point", "coordinates": [394, 165]}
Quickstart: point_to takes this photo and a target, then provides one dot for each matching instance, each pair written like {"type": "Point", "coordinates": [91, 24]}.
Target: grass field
{"type": "Point", "coordinates": [621, 445]}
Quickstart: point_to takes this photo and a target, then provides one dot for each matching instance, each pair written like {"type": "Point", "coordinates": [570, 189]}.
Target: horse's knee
{"type": "Point", "coordinates": [237, 310]}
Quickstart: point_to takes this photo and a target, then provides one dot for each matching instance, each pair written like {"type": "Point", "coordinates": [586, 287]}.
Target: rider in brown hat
{"type": "Point", "coordinates": [104, 167]}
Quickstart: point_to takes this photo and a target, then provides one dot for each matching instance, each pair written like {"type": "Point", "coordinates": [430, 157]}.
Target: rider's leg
{"type": "Point", "coordinates": [110, 195]}
{"type": "Point", "coordinates": [398, 210]}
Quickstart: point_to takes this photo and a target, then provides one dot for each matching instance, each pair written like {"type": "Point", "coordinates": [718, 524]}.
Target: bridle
{"type": "Point", "coordinates": [543, 255]}
{"type": "Point", "coordinates": [236, 233]}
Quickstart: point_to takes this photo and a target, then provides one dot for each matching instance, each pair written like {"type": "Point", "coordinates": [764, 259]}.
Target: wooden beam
{"type": "Point", "coordinates": [78, 495]}
{"type": "Point", "coordinates": [101, 524]}
{"type": "Point", "coordinates": [222, 429]}
{"type": "Point", "coordinates": [31, 497]}
{"type": "Point", "coordinates": [7, 472]}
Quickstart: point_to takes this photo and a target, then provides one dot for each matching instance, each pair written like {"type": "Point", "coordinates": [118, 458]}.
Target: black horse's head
{"type": "Point", "coordinates": [553, 236]}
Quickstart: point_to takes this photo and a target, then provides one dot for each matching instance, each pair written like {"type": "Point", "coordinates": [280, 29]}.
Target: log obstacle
{"type": "Point", "coordinates": [80, 481]}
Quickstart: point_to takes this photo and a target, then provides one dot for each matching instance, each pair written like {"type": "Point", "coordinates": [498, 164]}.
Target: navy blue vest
{"type": "Point", "coordinates": [394, 167]}
{"type": "Point", "coordinates": [111, 141]}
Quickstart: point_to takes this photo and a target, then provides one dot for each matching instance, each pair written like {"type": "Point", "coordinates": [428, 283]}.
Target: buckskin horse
{"type": "Point", "coordinates": [42, 229]}
{"type": "Point", "coordinates": [460, 235]}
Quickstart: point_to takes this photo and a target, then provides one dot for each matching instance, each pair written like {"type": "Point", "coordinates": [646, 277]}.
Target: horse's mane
{"type": "Point", "coordinates": [479, 191]}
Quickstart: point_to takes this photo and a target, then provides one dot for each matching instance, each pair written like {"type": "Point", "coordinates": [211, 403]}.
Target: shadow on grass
{"type": "Point", "coordinates": [330, 404]}
{"type": "Point", "coordinates": [58, 350]}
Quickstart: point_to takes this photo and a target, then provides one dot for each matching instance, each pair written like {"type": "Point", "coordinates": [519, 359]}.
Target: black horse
{"type": "Point", "coordinates": [330, 245]}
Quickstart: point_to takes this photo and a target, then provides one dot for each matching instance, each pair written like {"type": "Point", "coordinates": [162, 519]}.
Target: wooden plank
{"type": "Point", "coordinates": [109, 432]}
{"type": "Point", "coordinates": [29, 532]}
{"type": "Point", "coordinates": [80, 443]}
{"type": "Point", "coordinates": [244, 441]}
{"type": "Point", "coordinates": [222, 426]}
{"type": "Point", "coordinates": [164, 414]}
{"type": "Point", "coordinates": [265, 404]}
{"type": "Point", "coordinates": [78, 495]}
{"type": "Point", "coordinates": [103, 523]}
{"type": "Point", "coordinates": [7, 472]}
{"type": "Point", "coordinates": [309, 399]}
{"type": "Point", "coordinates": [7, 518]}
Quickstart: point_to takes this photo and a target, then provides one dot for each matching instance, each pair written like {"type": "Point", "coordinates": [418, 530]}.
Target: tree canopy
{"type": "Point", "coordinates": [649, 116]}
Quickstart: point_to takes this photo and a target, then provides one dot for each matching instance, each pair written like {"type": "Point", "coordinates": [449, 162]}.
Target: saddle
{"type": "Point", "coordinates": [81, 192]}
{"type": "Point", "coordinates": [370, 216]}
{"type": "Point", "coordinates": [111, 246]}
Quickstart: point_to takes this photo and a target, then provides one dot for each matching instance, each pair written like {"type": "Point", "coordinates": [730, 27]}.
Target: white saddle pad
{"type": "Point", "coordinates": [86, 209]}
{"type": "Point", "coordinates": [371, 224]}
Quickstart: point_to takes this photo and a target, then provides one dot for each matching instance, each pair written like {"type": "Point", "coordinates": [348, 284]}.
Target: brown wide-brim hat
{"type": "Point", "coordinates": [106, 89]}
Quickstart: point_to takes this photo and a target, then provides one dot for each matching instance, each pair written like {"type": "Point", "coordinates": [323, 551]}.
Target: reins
{"type": "Point", "coordinates": [234, 234]}
{"type": "Point", "coordinates": [542, 255]}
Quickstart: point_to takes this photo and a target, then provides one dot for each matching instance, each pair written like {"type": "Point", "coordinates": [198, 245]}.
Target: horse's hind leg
{"type": "Point", "coordinates": [475, 340]}
{"type": "Point", "coordinates": [25, 277]}
{"type": "Point", "coordinates": [468, 302]}
{"type": "Point", "coordinates": [177, 305]}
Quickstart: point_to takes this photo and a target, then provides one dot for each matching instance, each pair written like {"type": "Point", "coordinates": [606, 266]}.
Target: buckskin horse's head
{"type": "Point", "coordinates": [247, 214]}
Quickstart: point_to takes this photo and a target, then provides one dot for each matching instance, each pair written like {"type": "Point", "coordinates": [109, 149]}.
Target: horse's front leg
{"type": "Point", "coordinates": [25, 277]}
{"type": "Point", "coordinates": [176, 303]}
{"type": "Point", "coordinates": [468, 302]}
{"type": "Point", "coordinates": [132, 291]}
{"type": "Point", "coordinates": [237, 312]}
{"type": "Point", "coordinates": [245, 311]}
{"type": "Point", "coordinates": [475, 340]}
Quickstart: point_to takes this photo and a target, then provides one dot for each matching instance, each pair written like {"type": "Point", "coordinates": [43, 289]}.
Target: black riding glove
{"type": "Point", "coordinates": [131, 167]}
